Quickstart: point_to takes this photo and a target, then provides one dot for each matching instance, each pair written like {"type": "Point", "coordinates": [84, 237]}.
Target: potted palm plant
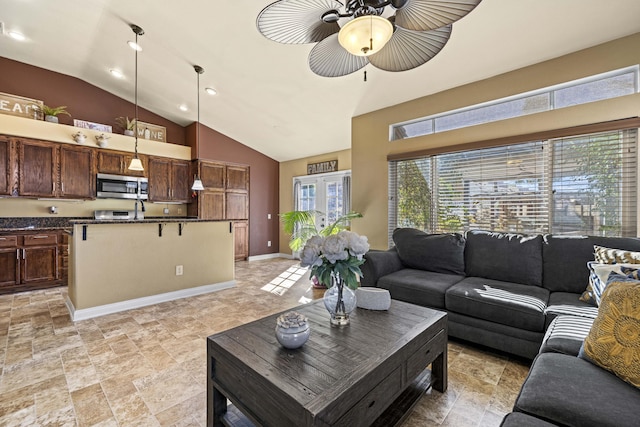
{"type": "Point", "coordinates": [301, 225]}
{"type": "Point", "coordinates": [127, 124]}
{"type": "Point", "coordinates": [51, 113]}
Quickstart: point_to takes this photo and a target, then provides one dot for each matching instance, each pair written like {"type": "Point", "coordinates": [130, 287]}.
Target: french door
{"type": "Point", "coordinates": [322, 192]}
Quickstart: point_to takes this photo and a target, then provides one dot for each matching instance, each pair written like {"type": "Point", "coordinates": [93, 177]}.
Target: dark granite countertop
{"type": "Point", "coordinates": [147, 220]}
{"type": "Point", "coordinates": [19, 224]}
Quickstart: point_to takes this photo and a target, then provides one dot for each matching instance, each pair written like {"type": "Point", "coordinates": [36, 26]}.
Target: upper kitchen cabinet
{"type": "Point", "coordinates": [237, 178]}
{"type": "Point", "coordinates": [77, 179]}
{"type": "Point", "coordinates": [168, 180]}
{"type": "Point", "coordinates": [212, 175]}
{"type": "Point", "coordinates": [37, 169]}
{"type": "Point", "coordinates": [117, 163]}
{"type": "Point", "coordinates": [6, 166]}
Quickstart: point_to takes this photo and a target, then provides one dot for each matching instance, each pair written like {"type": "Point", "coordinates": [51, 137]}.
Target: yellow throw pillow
{"type": "Point", "coordinates": [613, 342]}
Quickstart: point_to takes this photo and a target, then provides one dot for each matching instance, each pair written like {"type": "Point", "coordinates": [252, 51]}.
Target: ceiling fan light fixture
{"type": "Point", "coordinates": [365, 35]}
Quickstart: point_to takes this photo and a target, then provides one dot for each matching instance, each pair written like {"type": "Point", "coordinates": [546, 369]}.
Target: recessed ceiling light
{"type": "Point", "coordinates": [16, 36]}
{"type": "Point", "coordinates": [210, 91]}
{"type": "Point", "coordinates": [135, 46]}
{"type": "Point", "coordinates": [183, 107]}
{"type": "Point", "coordinates": [116, 73]}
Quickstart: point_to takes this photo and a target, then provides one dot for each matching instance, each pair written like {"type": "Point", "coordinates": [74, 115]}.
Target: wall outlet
{"type": "Point", "coordinates": [179, 270]}
{"type": "Point", "coordinates": [268, 216]}
{"type": "Point", "coordinates": [165, 211]}
{"type": "Point", "coordinates": [268, 243]}
{"type": "Point", "coordinates": [180, 210]}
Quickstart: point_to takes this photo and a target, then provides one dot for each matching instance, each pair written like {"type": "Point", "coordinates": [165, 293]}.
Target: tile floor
{"type": "Point", "coordinates": [147, 367]}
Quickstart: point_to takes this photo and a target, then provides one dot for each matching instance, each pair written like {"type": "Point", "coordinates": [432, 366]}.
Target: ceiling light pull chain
{"type": "Point", "coordinates": [365, 75]}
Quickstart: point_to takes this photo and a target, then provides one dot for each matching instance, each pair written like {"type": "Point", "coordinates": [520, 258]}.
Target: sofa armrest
{"type": "Point", "coordinates": [379, 263]}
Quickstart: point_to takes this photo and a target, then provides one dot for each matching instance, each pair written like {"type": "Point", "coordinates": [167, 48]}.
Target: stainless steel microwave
{"type": "Point", "coordinates": [121, 187]}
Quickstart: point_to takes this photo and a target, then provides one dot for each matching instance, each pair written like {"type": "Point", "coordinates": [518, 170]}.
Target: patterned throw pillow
{"type": "Point", "coordinates": [632, 273]}
{"type": "Point", "coordinates": [603, 255]}
{"type": "Point", "coordinates": [615, 256]}
{"type": "Point", "coordinates": [599, 274]}
{"type": "Point", "coordinates": [613, 342]}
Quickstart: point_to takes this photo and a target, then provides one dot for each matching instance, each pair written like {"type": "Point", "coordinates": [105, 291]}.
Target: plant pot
{"type": "Point", "coordinates": [52, 119]}
{"type": "Point", "coordinates": [128, 132]}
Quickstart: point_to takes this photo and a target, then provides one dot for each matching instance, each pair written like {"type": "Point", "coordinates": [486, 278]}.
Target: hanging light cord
{"type": "Point", "coordinates": [136, 98]}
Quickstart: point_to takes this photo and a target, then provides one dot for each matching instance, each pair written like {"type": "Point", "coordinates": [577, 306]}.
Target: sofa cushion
{"type": "Point", "coordinates": [566, 334]}
{"type": "Point", "coordinates": [566, 303]}
{"type": "Point", "coordinates": [504, 256]}
{"type": "Point", "coordinates": [570, 391]}
{"type": "Point", "coordinates": [512, 304]}
{"type": "Point", "coordinates": [614, 340]}
{"type": "Point", "coordinates": [441, 253]}
{"type": "Point", "coordinates": [420, 287]}
{"type": "Point", "coordinates": [518, 419]}
{"type": "Point", "coordinates": [565, 259]}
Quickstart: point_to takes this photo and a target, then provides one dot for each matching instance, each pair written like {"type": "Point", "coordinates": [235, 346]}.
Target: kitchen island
{"type": "Point", "coordinates": [120, 265]}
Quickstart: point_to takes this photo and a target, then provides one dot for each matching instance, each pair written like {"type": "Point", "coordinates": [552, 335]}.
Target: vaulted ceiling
{"type": "Point", "coordinates": [268, 99]}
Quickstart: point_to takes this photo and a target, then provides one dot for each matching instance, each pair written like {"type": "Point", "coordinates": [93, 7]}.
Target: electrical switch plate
{"type": "Point", "coordinates": [179, 270]}
{"type": "Point", "coordinates": [268, 216]}
{"type": "Point", "coordinates": [269, 243]}
{"type": "Point", "coordinates": [165, 211]}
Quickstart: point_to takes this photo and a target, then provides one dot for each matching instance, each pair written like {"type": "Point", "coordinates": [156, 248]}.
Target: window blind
{"type": "Point", "coordinates": [572, 185]}
{"type": "Point", "coordinates": [595, 184]}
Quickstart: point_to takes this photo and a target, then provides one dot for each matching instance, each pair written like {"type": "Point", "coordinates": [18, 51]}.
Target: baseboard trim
{"type": "Point", "coordinates": [269, 256]}
{"type": "Point", "coordinates": [102, 310]}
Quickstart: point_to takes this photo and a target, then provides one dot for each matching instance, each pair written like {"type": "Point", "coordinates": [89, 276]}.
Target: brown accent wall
{"type": "Point", "coordinates": [263, 184]}
{"type": "Point", "coordinates": [83, 100]}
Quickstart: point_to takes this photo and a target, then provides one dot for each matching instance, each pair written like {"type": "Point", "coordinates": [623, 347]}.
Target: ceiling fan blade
{"type": "Point", "coordinates": [329, 59]}
{"type": "Point", "coordinates": [425, 15]}
{"type": "Point", "coordinates": [297, 21]}
{"type": "Point", "coordinates": [409, 49]}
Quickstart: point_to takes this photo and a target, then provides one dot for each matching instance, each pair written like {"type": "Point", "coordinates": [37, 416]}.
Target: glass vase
{"type": "Point", "coordinates": [339, 300]}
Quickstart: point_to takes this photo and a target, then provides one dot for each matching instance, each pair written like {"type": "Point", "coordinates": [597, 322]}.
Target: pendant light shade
{"type": "Point", "coordinates": [136, 164]}
{"type": "Point", "coordinates": [197, 183]}
{"type": "Point", "coordinates": [365, 35]}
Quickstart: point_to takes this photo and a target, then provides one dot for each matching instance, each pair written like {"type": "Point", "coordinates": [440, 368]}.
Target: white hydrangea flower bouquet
{"type": "Point", "coordinates": [340, 255]}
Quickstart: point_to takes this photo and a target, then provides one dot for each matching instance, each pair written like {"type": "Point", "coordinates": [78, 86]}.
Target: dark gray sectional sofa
{"type": "Point", "coordinates": [518, 294]}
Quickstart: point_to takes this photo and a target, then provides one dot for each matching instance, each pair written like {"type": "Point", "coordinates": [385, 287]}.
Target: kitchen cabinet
{"type": "Point", "coordinates": [77, 177]}
{"type": "Point", "coordinates": [117, 163]}
{"type": "Point", "coordinates": [168, 180]}
{"type": "Point", "coordinates": [212, 175]}
{"type": "Point", "coordinates": [237, 192]}
{"type": "Point", "coordinates": [209, 205]}
{"type": "Point", "coordinates": [37, 168]}
{"type": "Point", "coordinates": [29, 261]}
{"type": "Point", "coordinates": [241, 239]}
{"type": "Point", "coordinates": [6, 166]}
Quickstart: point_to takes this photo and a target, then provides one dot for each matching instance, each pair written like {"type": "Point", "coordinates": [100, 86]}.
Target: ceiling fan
{"type": "Point", "coordinates": [392, 35]}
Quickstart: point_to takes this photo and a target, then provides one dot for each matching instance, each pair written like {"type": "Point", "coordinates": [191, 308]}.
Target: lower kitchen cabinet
{"type": "Point", "coordinates": [241, 239]}
{"type": "Point", "coordinates": [29, 261]}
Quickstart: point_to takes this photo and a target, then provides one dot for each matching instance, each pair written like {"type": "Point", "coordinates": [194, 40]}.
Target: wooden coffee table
{"type": "Point", "coordinates": [370, 372]}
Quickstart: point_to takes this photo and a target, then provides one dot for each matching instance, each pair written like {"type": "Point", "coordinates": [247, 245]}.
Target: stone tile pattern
{"type": "Point", "coordinates": [147, 367]}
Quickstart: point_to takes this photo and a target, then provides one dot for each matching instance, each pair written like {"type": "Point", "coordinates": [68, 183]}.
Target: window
{"type": "Point", "coordinates": [595, 88]}
{"type": "Point", "coordinates": [307, 197]}
{"type": "Point", "coordinates": [576, 185]}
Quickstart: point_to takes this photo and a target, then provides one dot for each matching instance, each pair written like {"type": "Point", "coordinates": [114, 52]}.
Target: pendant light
{"type": "Point", "coordinates": [197, 183]}
{"type": "Point", "coordinates": [136, 164]}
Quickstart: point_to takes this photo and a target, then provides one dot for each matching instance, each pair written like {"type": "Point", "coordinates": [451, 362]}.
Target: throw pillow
{"type": "Point", "coordinates": [599, 274]}
{"type": "Point", "coordinates": [613, 343]}
{"type": "Point", "coordinates": [614, 256]}
{"type": "Point", "coordinates": [440, 253]}
{"type": "Point", "coordinates": [632, 273]}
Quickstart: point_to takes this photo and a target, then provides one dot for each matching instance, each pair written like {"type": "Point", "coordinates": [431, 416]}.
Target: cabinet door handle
{"type": "Point", "coordinates": [62, 187]}
{"type": "Point", "coordinates": [40, 237]}
{"type": "Point", "coordinates": [3, 238]}
{"type": "Point", "coordinates": [18, 254]}
{"type": "Point", "coordinates": [24, 254]}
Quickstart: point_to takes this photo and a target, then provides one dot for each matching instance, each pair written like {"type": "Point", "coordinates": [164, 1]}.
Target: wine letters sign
{"type": "Point", "coordinates": [322, 167]}
{"type": "Point", "coordinates": [152, 132]}
{"type": "Point", "coordinates": [14, 105]}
